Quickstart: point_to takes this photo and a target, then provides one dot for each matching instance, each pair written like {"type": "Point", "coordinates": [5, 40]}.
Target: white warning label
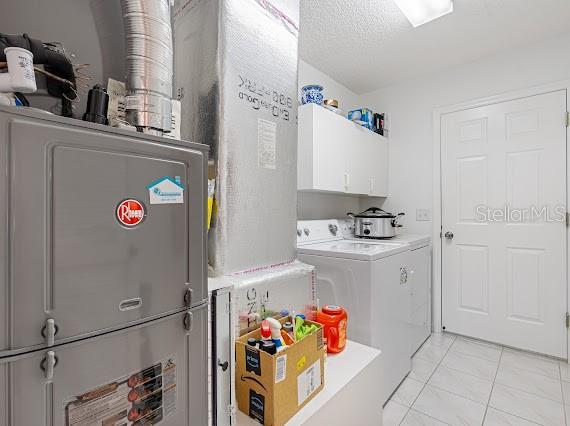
{"type": "Point", "coordinates": [266, 143]}
{"type": "Point", "coordinates": [281, 368]}
{"type": "Point", "coordinates": [308, 382]}
{"type": "Point", "coordinates": [144, 397]}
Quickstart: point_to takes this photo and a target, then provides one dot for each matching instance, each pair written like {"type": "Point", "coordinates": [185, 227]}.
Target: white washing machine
{"type": "Point", "coordinates": [371, 281]}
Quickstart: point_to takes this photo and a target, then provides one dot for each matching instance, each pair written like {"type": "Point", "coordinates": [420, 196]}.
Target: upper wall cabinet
{"type": "Point", "coordinates": [337, 155]}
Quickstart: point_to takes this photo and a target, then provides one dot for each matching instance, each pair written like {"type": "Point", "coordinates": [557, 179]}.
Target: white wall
{"type": "Point", "coordinates": [313, 205]}
{"type": "Point", "coordinates": [347, 99]}
{"type": "Point", "coordinates": [91, 30]}
{"type": "Point", "coordinates": [410, 106]}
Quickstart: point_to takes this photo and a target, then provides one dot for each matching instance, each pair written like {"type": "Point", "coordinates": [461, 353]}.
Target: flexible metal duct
{"type": "Point", "coordinates": [149, 51]}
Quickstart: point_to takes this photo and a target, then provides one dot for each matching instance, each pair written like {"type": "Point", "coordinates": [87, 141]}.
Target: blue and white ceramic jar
{"type": "Point", "coordinates": [312, 94]}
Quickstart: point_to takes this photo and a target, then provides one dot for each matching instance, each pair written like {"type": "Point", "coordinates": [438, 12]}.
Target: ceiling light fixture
{"type": "Point", "coordinates": [420, 12]}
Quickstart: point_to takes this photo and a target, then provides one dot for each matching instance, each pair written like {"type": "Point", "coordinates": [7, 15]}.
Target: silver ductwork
{"type": "Point", "coordinates": [149, 52]}
{"type": "Point", "coordinates": [240, 97]}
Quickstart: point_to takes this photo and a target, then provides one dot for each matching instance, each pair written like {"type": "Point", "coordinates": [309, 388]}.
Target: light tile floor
{"type": "Point", "coordinates": [459, 381]}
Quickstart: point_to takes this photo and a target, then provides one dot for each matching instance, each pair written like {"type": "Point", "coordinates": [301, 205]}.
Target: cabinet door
{"type": "Point", "coordinates": [377, 166]}
{"type": "Point", "coordinates": [93, 382]}
{"type": "Point", "coordinates": [357, 146]}
{"type": "Point", "coordinates": [329, 140]}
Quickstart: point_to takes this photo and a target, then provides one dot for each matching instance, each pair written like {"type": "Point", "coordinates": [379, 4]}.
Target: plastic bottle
{"type": "Point", "coordinates": [269, 347]}
{"type": "Point", "coordinates": [265, 331]}
{"type": "Point", "coordinates": [275, 328]}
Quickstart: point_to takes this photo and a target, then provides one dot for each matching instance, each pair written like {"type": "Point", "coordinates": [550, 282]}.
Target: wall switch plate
{"type": "Point", "coordinates": [423, 215]}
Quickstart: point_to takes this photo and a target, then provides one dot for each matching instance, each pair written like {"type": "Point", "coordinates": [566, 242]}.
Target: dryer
{"type": "Point", "coordinates": [371, 281]}
{"type": "Point", "coordinates": [419, 264]}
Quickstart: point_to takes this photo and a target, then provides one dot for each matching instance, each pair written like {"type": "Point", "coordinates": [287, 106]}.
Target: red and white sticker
{"type": "Point", "coordinates": [130, 212]}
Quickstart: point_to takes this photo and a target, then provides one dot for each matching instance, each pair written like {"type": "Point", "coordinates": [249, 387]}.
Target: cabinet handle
{"type": "Point", "coordinates": [187, 321]}
{"type": "Point", "coordinates": [49, 331]}
{"type": "Point", "coordinates": [48, 364]}
{"type": "Point", "coordinates": [346, 181]}
{"type": "Point", "coordinates": [371, 180]}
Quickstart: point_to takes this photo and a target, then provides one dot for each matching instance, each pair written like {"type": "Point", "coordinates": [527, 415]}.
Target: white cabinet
{"type": "Point", "coordinates": [337, 155]}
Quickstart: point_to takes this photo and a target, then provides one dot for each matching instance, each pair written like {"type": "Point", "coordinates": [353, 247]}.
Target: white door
{"type": "Point", "coordinates": [504, 280]}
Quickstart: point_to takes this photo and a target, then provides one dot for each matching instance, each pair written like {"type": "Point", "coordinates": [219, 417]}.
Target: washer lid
{"type": "Point", "coordinates": [413, 240]}
{"type": "Point", "coordinates": [353, 249]}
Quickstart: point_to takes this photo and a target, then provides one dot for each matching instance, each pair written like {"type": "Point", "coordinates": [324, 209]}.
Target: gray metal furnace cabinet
{"type": "Point", "coordinates": [102, 274]}
{"type": "Point", "coordinates": [65, 256]}
{"type": "Point", "coordinates": [91, 381]}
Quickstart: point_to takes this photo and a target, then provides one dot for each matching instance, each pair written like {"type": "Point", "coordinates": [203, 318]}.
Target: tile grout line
{"type": "Point", "coordinates": [516, 415]}
{"type": "Point", "coordinates": [563, 397]}
{"type": "Point", "coordinates": [426, 382]}
{"type": "Point", "coordinates": [493, 386]}
{"type": "Point", "coordinates": [439, 363]}
{"type": "Point", "coordinates": [525, 391]}
{"type": "Point", "coordinates": [536, 394]}
{"type": "Point", "coordinates": [468, 373]}
{"type": "Point", "coordinates": [423, 383]}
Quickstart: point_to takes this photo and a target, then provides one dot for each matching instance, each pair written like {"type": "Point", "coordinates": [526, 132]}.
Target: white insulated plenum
{"type": "Point", "coordinates": [236, 75]}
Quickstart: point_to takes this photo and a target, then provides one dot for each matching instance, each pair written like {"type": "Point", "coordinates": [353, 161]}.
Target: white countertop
{"type": "Point", "coordinates": [340, 369]}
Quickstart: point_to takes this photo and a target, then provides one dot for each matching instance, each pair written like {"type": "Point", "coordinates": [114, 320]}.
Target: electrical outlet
{"type": "Point", "coordinates": [423, 215]}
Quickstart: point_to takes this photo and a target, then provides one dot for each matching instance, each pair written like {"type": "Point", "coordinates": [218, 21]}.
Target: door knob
{"type": "Point", "coordinates": [449, 235]}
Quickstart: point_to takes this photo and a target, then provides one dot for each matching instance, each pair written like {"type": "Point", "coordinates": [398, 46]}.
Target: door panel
{"type": "Point", "coordinates": [473, 278]}
{"type": "Point", "coordinates": [107, 364]}
{"type": "Point", "coordinates": [525, 277]}
{"type": "Point", "coordinates": [71, 260]}
{"type": "Point", "coordinates": [472, 188]}
{"type": "Point", "coordinates": [504, 198]}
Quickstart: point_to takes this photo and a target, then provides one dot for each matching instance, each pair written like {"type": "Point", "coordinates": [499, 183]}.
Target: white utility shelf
{"type": "Point", "coordinates": [337, 155]}
{"type": "Point", "coordinates": [350, 395]}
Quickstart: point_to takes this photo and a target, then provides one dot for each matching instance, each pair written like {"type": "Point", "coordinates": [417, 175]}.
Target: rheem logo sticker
{"type": "Point", "coordinates": [130, 213]}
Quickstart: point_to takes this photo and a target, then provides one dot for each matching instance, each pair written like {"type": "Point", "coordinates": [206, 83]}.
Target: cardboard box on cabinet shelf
{"type": "Point", "coordinates": [362, 116]}
{"type": "Point", "coordinates": [273, 388]}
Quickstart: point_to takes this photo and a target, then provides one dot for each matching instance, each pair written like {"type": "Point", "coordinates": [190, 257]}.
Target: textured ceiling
{"type": "Point", "coordinates": [368, 44]}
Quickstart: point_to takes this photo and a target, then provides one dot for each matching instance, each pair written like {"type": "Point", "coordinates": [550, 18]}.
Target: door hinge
{"type": "Point", "coordinates": [567, 320]}
{"type": "Point", "coordinates": [567, 219]}
{"type": "Point", "coordinates": [231, 410]}
{"type": "Point", "coordinates": [567, 119]}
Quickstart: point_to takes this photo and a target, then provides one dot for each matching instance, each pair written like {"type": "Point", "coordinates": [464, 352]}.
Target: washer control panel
{"type": "Point", "coordinates": [316, 231]}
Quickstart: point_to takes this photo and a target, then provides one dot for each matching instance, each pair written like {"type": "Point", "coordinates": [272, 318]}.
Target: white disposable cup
{"type": "Point", "coordinates": [21, 76]}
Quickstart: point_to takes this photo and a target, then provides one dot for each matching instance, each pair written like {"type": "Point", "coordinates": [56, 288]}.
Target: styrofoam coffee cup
{"type": "Point", "coordinates": [20, 76]}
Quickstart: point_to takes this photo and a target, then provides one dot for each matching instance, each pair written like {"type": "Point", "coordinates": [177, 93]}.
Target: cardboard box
{"type": "Point", "coordinates": [272, 388]}
{"type": "Point", "coordinates": [362, 116]}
